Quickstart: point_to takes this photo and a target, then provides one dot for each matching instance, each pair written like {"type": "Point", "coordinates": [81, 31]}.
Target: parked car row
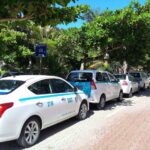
{"type": "Point", "coordinates": [31, 103]}
{"type": "Point", "coordinates": [141, 78]}
{"type": "Point", "coordinates": [104, 86]}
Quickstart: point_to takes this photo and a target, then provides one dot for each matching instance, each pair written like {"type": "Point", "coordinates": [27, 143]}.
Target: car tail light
{"type": "Point", "coordinates": [124, 83]}
{"type": "Point", "coordinates": [93, 85]}
{"type": "Point", "coordinates": [4, 107]}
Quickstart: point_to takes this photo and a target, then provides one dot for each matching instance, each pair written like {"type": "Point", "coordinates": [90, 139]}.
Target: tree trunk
{"type": "Point", "coordinates": [82, 66]}
{"type": "Point", "coordinates": [125, 66]}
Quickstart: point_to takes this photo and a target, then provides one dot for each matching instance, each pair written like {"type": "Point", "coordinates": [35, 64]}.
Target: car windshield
{"type": "Point", "coordinates": [80, 76]}
{"type": "Point", "coordinates": [120, 76]}
{"type": "Point", "coordinates": [7, 86]}
{"type": "Point", "coordinates": [136, 75]}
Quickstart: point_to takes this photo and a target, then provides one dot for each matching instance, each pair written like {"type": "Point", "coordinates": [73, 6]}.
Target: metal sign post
{"type": "Point", "coordinates": [40, 52]}
{"type": "Point", "coordinates": [41, 65]}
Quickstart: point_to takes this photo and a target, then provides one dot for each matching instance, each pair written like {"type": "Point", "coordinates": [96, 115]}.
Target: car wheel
{"type": "Point", "coordinates": [130, 94]}
{"type": "Point", "coordinates": [30, 133]}
{"type": "Point", "coordinates": [101, 103]}
{"type": "Point", "coordinates": [82, 111]}
{"type": "Point", "coordinates": [144, 87]}
{"type": "Point", "coordinates": [138, 90]}
{"type": "Point", "coordinates": [120, 98]}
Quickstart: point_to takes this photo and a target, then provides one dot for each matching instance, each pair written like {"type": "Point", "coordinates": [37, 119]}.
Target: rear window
{"type": "Point", "coordinates": [80, 76]}
{"type": "Point", "coordinates": [136, 75]}
{"type": "Point", "coordinates": [121, 77]}
{"type": "Point", "coordinates": [7, 86]}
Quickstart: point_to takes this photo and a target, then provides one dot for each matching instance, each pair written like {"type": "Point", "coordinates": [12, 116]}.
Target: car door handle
{"type": "Point", "coordinates": [40, 104]}
{"type": "Point", "coordinates": [63, 99]}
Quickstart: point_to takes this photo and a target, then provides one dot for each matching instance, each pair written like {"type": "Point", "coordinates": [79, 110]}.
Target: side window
{"type": "Point", "coordinates": [60, 86]}
{"type": "Point", "coordinates": [105, 77]}
{"type": "Point", "coordinates": [144, 75]}
{"type": "Point", "coordinates": [6, 75]}
{"type": "Point", "coordinates": [41, 87]}
{"type": "Point", "coordinates": [112, 78]}
{"type": "Point", "coordinates": [86, 76]}
{"type": "Point", "coordinates": [99, 76]}
{"type": "Point", "coordinates": [131, 78]}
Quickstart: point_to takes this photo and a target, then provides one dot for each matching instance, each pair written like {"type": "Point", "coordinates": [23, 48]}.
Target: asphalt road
{"type": "Point", "coordinates": [122, 125]}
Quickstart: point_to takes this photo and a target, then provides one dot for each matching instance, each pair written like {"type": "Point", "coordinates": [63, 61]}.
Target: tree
{"type": "Point", "coordinates": [46, 12]}
{"type": "Point", "coordinates": [124, 34]}
{"type": "Point", "coordinates": [68, 45]}
{"type": "Point", "coordinates": [13, 46]}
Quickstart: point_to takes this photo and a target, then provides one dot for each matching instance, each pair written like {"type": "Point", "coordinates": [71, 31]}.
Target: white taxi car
{"type": "Point", "coordinates": [128, 84]}
{"type": "Point", "coordinates": [141, 78]}
{"type": "Point", "coordinates": [100, 86]}
{"type": "Point", "coordinates": [30, 103]}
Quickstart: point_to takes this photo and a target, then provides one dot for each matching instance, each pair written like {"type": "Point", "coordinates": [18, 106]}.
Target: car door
{"type": "Point", "coordinates": [134, 84]}
{"type": "Point", "coordinates": [66, 96]}
{"type": "Point", "coordinates": [101, 85]}
{"type": "Point", "coordinates": [146, 81]}
{"type": "Point", "coordinates": [108, 87]}
{"type": "Point", "coordinates": [115, 87]}
{"type": "Point", "coordinates": [46, 103]}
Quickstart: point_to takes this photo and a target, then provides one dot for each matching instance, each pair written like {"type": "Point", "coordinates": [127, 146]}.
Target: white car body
{"type": "Point", "coordinates": [109, 87]}
{"type": "Point", "coordinates": [128, 83]}
{"type": "Point", "coordinates": [50, 108]}
{"type": "Point", "coordinates": [142, 79]}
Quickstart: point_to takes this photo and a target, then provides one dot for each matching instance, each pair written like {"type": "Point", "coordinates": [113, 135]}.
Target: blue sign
{"type": "Point", "coordinates": [40, 50]}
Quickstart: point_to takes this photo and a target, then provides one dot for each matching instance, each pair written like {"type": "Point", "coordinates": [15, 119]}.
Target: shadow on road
{"type": "Point", "coordinates": [59, 127]}
{"type": "Point", "coordinates": [12, 145]}
{"type": "Point", "coordinates": [144, 93]}
{"type": "Point", "coordinates": [110, 105]}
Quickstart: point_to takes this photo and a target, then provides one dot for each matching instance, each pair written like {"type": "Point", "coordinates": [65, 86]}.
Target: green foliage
{"type": "Point", "coordinates": [124, 34]}
{"type": "Point", "coordinates": [44, 12]}
{"type": "Point", "coordinates": [10, 48]}
{"type": "Point", "coordinates": [14, 47]}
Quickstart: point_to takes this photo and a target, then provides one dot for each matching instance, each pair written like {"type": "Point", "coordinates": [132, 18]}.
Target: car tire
{"type": "Point", "coordinates": [82, 111]}
{"type": "Point", "coordinates": [120, 98]}
{"type": "Point", "coordinates": [102, 102]}
{"type": "Point", "coordinates": [30, 133]}
{"type": "Point", "coordinates": [138, 90]}
{"type": "Point", "coordinates": [130, 94]}
{"type": "Point", "coordinates": [144, 87]}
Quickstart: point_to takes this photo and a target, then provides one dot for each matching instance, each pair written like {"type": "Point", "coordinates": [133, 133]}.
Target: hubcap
{"type": "Point", "coordinates": [121, 95]}
{"type": "Point", "coordinates": [130, 93]}
{"type": "Point", "coordinates": [31, 132]}
{"type": "Point", "coordinates": [83, 111]}
{"type": "Point", "coordinates": [102, 102]}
